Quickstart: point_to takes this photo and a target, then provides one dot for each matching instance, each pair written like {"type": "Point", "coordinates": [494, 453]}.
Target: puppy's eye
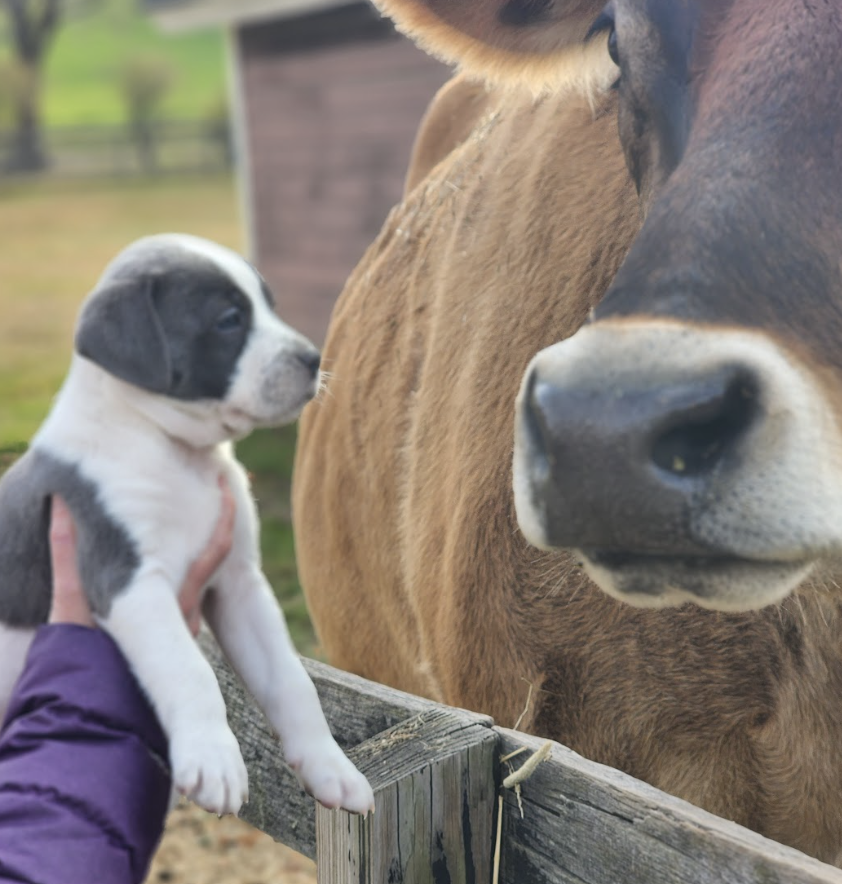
{"type": "Point", "coordinates": [230, 320]}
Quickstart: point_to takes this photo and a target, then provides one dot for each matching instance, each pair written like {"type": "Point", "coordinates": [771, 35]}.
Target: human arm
{"type": "Point", "coordinates": [84, 784]}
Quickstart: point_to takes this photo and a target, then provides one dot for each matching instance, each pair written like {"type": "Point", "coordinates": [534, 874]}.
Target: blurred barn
{"type": "Point", "coordinates": [325, 101]}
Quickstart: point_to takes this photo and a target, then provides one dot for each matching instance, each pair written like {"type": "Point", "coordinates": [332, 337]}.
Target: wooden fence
{"type": "Point", "coordinates": [173, 147]}
{"type": "Point", "coordinates": [446, 804]}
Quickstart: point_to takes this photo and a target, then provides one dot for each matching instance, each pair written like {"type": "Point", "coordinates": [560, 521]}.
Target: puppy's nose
{"type": "Point", "coordinates": [310, 359]}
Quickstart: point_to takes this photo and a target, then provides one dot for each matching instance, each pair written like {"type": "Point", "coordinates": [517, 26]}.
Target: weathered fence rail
{"type": "Point", "coordinates": [437, 775]}
{"type": "Point", "coordinates": [170, 147]}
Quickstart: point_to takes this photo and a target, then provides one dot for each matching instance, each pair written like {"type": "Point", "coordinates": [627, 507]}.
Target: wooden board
{"type": "Point", "coordinates": [584, 823]}
{"type": "Point", "coordinates": [435, 771]}
{"type": "Point", "coordinates": [356, 710]}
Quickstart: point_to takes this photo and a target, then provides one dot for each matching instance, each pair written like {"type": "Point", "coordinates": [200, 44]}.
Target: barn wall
{"type": "Point", "coordinates": [331, 104]}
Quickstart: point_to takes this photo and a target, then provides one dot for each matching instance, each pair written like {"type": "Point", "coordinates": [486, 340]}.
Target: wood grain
{"type": "Point", "coordinates": [436, 772]}
{"type": "Point", "coordinates": [433, 780]}
{"type": "Point", "coordinates": [584, 823]}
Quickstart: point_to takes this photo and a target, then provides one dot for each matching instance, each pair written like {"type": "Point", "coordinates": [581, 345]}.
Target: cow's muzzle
{"type": "Point", "coordinates": [681, 463]}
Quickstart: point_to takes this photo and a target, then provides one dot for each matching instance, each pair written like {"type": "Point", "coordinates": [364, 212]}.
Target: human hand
{"type": "Point", "coordinates": [70, 604]}
{"type": "Point", "coordinates": [202, 569]}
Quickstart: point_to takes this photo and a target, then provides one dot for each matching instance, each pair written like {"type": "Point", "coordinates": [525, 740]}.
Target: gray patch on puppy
{"type": "Point", "coordinates": [25, 492]}
{"type": "Point", "coordinates": [168, 321]}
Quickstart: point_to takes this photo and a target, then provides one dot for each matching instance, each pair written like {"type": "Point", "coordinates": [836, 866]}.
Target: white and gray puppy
{"type": "Point", "coordinates": [178, 351]}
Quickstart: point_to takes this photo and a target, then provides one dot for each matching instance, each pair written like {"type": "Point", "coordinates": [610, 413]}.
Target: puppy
{"type": "Point", "coordinates": [178, 352]}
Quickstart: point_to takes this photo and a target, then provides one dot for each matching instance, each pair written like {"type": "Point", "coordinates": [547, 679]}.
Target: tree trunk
{"type": "Point", "coordinates": [32, 24]}
{"type": "Point", "coordinates": [147, 148]}
{"type": "Point", "coordinates": [27, 149]}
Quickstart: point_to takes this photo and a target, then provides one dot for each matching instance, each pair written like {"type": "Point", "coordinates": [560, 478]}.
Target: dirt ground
{"type": "Point", "coordinates": [198, 848]}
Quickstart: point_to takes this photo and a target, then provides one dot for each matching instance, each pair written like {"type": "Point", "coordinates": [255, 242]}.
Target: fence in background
{"type": "Point", "coordinates": [445, 804]}
{"type": "Point", "coordinates": [174, 146]}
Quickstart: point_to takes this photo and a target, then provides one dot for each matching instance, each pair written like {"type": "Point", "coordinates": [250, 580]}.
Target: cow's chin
{"type": "Point", "coordinates": [716, 583]}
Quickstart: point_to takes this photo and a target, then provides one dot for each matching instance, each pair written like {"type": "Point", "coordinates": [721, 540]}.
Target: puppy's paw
{"type": "Point", "coordinates": [208, 768]}
{"type": "Point", "coordinates": [326, 773]}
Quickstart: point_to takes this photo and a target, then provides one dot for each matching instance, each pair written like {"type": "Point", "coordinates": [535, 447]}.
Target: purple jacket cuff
{"type": "Point", "coordinates": [84, 787]}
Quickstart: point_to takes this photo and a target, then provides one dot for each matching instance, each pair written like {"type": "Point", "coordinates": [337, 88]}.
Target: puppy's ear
{"type": "Point", "coordinates": [120, 331]}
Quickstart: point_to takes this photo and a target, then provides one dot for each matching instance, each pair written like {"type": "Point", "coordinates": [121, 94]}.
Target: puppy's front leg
{"type": "Point", "coordinates": [250, 627]}
{"type": "Point", "coordinates": [147, 624]}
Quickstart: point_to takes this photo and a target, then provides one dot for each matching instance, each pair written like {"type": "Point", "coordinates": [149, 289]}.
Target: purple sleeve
{"type": "Point", "coordinates": [84, 787]}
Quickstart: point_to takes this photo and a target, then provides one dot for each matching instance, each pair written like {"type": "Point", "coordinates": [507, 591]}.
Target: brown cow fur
{"type": "Point", "coordinates": [467, 32]}
{"type": "Point", "coordinates": [459, 106]}
{"type": "Point", "coordinates": [408, 549]}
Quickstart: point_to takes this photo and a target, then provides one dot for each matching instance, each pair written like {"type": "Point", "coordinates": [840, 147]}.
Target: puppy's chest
{"type": "Point", "coordinates": [182, 522]}
{"type": "Point", "coordinates": [168, 508]}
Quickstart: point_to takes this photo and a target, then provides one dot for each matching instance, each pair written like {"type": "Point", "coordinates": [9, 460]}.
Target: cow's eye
{"type": "Point", "coordinates": [614, 47]}
{"type": "Point", "coordinates": [230, 320]}
{"type": "Point", "coordinates": [605, 24]}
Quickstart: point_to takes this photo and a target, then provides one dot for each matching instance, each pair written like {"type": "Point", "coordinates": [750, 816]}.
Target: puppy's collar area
{"type": "Point", "coordinates": [237, 423]}
{"type": "Point", "coordinates": [201, 423]}
{"type": "Point", "coordinates": [92, 392]}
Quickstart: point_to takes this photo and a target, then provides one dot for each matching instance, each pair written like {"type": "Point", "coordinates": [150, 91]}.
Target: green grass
{"type": "Point", "coordinates": [268, 455]}
{"type": "Point", "coordinates": [84, 63]}
{"type": "Point", "coordinates": [57, 238]}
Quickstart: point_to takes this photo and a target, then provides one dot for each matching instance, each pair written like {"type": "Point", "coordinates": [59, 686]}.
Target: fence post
{"type": "Point", "coordinates": [434, 778]}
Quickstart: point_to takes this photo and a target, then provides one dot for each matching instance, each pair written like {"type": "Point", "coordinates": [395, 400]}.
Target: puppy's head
{"type": "Point", "coordinates": [190, 327]}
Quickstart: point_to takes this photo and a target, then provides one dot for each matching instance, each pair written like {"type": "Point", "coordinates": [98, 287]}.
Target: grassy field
{"type": "Point", "coordinates": [55, 239]}
{"type": "Point", "coordinates": [84, 65]}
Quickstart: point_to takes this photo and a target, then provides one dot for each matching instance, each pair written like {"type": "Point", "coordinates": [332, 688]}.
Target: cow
{"type": "Point", "coordinates": [628, 220]}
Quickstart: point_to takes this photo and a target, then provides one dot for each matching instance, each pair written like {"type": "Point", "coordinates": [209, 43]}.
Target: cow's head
{"type": "Point", "coordinates": [686, 442]}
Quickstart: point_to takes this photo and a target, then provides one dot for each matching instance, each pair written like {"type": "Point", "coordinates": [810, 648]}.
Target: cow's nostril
{"type": "Point", "coordinates": [536, 425]}
{"type": "Point", "coordinates": [718, 412]}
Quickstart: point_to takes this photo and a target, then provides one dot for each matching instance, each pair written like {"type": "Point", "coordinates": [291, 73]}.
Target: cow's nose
{"type": "Point", "coordinates": [618, 464]}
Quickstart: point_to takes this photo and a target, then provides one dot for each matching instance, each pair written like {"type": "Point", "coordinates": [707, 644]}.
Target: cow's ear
{"type": "Point", "coordinates": [536, 43]}
{"type": "Point", "coordinates": [120, 331]}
